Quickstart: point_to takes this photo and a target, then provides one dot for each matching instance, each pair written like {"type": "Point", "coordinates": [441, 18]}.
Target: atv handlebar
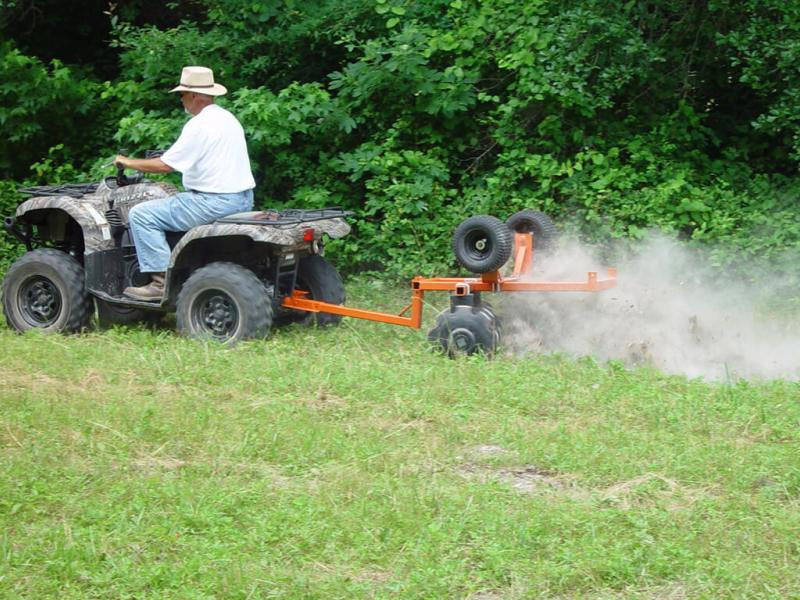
{"type": "Point", "coordinates": [122, 179]}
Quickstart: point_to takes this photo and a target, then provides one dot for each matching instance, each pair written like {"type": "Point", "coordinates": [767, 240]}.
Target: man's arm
{"type": "Point", "coordinates": [146, 165]}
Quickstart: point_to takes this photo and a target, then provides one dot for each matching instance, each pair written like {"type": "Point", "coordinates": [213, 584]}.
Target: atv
{"type": "Point", "coordinates": [226, 280]}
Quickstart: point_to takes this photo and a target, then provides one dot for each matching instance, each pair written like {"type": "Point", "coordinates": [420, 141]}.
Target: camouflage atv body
{"type": "Point", "coordinates": [225, 280]}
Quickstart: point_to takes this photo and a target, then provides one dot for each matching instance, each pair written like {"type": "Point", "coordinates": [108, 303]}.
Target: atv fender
{"type": "Point", "coordinates": [289, 236]}
{"type": "Point", "coordinates": [88, 214]}
{"type": "Point", "coordinates": [89, 211]}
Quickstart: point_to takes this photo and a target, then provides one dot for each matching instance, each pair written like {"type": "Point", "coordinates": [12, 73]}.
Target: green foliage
{"type": "Point", "coordinates": [408, 209]}
{"type": "Point", "coordinates": [10, 247]}
{"type": "Point", "coordinates": [765, 53]}
{"type": "Point", "coordinates": [41, 104]}
{"type": "Point", "coordinates": [148, 129]}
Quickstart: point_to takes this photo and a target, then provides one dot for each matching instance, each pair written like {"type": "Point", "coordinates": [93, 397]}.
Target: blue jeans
{"type": "Point", "coordinates": [149, 220]}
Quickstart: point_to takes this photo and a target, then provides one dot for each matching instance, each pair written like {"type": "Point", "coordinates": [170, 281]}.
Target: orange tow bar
{"type": "Point", "coordinates": [461, 286]}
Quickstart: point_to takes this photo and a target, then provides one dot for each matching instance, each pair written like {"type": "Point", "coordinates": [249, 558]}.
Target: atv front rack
{"type": "Point", "coordinates": [518, 281]}
{"type": "Point", "coordinates": [73, 190]}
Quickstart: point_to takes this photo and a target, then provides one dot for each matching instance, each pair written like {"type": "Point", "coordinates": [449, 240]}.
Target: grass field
{"type": "Point", "coordinates": [353, 463]}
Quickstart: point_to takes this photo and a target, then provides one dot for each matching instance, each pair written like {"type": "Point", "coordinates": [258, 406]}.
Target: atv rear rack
{"type": "Point", "coordinates": [518, 281]}
{"type": "Point", "coordinates": [288, 217]}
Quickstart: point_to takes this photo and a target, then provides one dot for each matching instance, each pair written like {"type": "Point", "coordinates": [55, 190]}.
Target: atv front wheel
{"type": "Point", "coordinates": [226, 302]}
{"type": "Point", "coordinates": [45, 289]}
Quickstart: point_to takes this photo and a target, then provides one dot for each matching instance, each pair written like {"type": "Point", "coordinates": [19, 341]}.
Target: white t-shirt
{"type": "Point", "coordinates": [211, 153]}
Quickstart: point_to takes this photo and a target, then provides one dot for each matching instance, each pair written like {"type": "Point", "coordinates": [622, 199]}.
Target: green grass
{"type": "Point", "coordinates": [353, 463]}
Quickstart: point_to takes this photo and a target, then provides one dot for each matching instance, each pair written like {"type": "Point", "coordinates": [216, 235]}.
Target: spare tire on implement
{"type": "Point", "coordinates": [482, 243]}
{"type": "Point", "coordinates": [545, 233]}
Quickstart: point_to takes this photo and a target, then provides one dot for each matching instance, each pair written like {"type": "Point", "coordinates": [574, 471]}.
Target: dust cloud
{"type": "Point", "coordinates": [670, 310]}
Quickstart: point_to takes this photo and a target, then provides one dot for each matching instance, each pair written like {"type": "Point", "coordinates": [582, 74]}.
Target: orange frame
{"type": "Point", "coordinates": [461, 286]}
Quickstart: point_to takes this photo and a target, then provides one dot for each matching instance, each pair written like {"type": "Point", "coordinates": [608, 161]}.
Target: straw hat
{"type": "Point", "coordinates": [199, 80]}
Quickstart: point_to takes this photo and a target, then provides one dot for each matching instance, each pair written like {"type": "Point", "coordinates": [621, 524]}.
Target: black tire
{"type": "Point", "coordinates": [465, 330]}
{"type": "Point", "coordinates": [545, 233]}
{"type": "Point", "coordinates": [46, 289]}
{"type": "Point", "coordinates": [226, 302]}
{"type": "Point", "coordinates": [110, 314]}
{"type": "Point", "coordinates": [482, 244]}
{"type": "Point", "coordinates": [318, 276]}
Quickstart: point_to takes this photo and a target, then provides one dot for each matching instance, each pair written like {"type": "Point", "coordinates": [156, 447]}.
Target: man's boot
{"type": "Point", "coordinates": [152, 292]}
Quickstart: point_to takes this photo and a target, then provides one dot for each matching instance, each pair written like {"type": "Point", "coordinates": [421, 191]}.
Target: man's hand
{"type": "Point", "coordinates": [146, 165]}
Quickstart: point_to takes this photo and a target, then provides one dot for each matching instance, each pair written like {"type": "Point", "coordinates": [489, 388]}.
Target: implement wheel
{"type": "Point", "coordinates": [466, 329]}
{"type": "Point", "coordinates": [482, 244]}
{"type": "Point", "coordinates": [544, 231]}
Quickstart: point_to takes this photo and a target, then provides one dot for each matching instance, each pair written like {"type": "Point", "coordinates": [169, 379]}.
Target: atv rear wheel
{"type": "Point", "coordinates": [226, 302]}
{"type": "Point", "coordinates": [545, 233]}
{"type": "Point", "coordinates": [482, 244]}
{"type": "Point", "coordinates": [46, 289]}
{"type": "Point", "coordinates": [319, 277]}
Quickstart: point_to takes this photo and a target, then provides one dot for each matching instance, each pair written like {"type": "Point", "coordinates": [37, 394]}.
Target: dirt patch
{"type": "Point", "coordinates": [675, 591]}
{"type": "Point", "coordinates": [531, 479]}
{"type": "Point", "coordinates": [217, 466]}
{"type": "Point", "coordinates": [375, 575]}
{"type": "Point", "coordinates": [528, 479]}
{"type": "Point", "coordinates": [670, 591]}
{"type": "Point", "coordinates": [626, 487]}
{"type": "Point", "coordinates": [92, 385]}
{"type": "Point", "coordinates": [484, 450]}
{"type": "Point", "coordinates": [151, 463]}
{"type": "Point", "coordinates": [488, 595]}
{"type": "Point", "coordinates": [653, 489]}
{"type": "Point", "coordinates": [14, 380]}
{"type": "Point", "coordinates": [325, 401]}
{"type": "Point", "coordinates": [649, 489]}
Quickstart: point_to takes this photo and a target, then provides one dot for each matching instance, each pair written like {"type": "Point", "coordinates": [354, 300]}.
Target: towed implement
{"type": "Point", "coordinates": [482, 244]}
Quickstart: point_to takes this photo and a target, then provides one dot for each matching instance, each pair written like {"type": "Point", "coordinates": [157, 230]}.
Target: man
{"type": "Point", "coordinates": [211, 154]}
